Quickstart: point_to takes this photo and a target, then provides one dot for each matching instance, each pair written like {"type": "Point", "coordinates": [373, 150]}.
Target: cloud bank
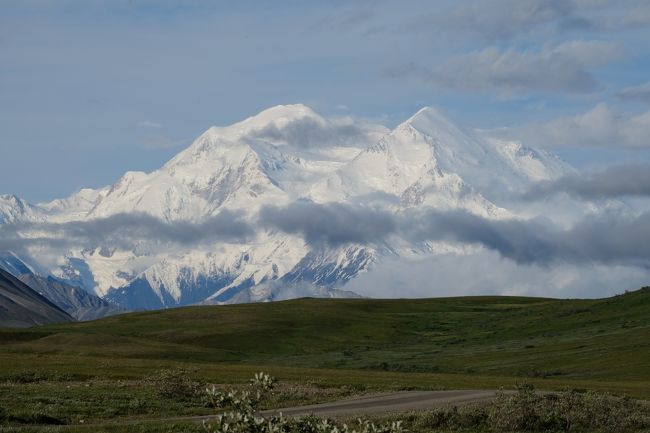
{"type": "Point", "coordinates": [613, 182]}
{"type": "Point", "coordinates": [600, 239]}
{"type": "Point", "coordinates": [486, 272]}
{"type": "Point", "coordinates": [600, 127]}
{"type": "Point", "coordinates": [330, 224]}
{"type": "Point", "coordinates": [126, 231]}
{"type": "Point", "coordinates": [610, 239]}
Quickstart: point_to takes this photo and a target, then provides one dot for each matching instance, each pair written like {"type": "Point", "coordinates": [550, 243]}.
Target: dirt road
{"type": "Point", "coordinates": [386, 403]}
{"type": "Point", "coordinates": [402, 401]}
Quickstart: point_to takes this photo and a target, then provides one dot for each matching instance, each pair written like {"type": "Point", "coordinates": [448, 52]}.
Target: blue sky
{"type": "Point", "coordinates": [91, 89]}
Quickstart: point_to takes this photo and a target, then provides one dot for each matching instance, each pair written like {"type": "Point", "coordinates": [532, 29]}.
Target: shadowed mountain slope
{"type": "Point", "coordinates": [21, 306]}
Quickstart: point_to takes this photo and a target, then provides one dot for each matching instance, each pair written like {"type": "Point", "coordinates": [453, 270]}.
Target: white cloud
{"type": "Point", "coordinates": [502, 19]}
{"type": "Point", "coordinates": [637, 93]}
{"type": "Point", "coordinates": [599, 127]}
{"type": "Point", "coordinates": [562, 68]}
{"type": "Point", "coordinates": [487, 273]}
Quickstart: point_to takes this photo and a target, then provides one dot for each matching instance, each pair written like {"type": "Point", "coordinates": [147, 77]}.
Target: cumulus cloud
{"type": "Point", "coordinates": [125, 231]}
{"type": "Point", "coordinates": [636, 93]}
{"type": "Point", "coordinates": [598, 127]}
{"type": "Point", "coordinates": [561, 68]}
{"type": "Point", "coordinates": [613, 182]}
{"type": "Point", "coordinates": [307, 132]}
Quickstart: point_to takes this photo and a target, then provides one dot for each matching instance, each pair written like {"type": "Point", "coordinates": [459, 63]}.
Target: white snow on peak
{"type": "Point", "coordinates": [278, 116]}
{"type": "Point", "coordinates": [429, 120]}
{"type": "Point", "coordinates": [283, 154]}
{"type": "Point", "coordinates": [14, 209]}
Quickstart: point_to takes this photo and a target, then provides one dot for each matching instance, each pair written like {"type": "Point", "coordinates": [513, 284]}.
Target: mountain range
{"type": "Point", "coordinates": [182, 234]}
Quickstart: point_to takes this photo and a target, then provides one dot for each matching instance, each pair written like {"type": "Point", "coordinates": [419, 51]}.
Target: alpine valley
{"type": "Point", "coordinates": [284, 155]}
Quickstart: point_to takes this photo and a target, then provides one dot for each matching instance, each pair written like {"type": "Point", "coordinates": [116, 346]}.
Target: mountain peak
{"type": "Point", "coordinates": [430, 121]}
{"type": "Point", "coordinates": [277, 116]}
{"type": "Point", "coordinates": [284, 112]}
{"type": "Point", "coordinates": [279, 156]}
{"type": "Point", "coordinates": [13, 208]}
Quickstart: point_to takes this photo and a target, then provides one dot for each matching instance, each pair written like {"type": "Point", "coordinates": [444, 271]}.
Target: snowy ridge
{"type": "Point", "coordinates": [14, 209]}
{"type": "Point", "coordinates": [284, 154]}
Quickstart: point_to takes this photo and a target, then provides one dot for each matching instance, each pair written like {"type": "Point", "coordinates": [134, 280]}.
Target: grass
{"type": "Point", "coordinates": [327, 348]}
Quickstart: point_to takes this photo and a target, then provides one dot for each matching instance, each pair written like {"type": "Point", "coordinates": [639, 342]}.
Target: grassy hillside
{"type": "Point", "coordinates": [101, 371]}
{"type": "Point", "coordinates": [605, 340]}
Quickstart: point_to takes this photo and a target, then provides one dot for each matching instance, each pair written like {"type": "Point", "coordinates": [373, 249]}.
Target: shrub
{"type": "Point", "coordinates": [23, 377]}
{"type": "Point", "coordinates": [243, 418]}
{"type": "Point", "coordinates": [524, 411]}
{"type": "Point", "coordinates": [527, 411]}
{"type": "Point", "coordinates": [566, 411]}
{"type": "Point", "coordinates": [175, 384]}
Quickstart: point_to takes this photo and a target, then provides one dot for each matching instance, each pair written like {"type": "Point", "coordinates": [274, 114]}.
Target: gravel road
{"type": "Point", "coordinates": [391, 402]}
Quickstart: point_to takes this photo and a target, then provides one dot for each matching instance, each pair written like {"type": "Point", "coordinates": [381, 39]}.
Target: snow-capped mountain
{"type": "Point", "coordinates": [14, 209]}
{"type": "Point", "coordinates": [283, 155]}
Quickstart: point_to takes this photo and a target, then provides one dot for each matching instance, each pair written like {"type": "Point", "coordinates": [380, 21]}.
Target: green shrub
{"type": "Point", "coordinates": [33, 418]}
{"type": "Point", "coordinates": [566, 411]}
{"type": "Point", "coordinates": [23, 377]}
{"type": "Point", "coordinates": [530, 411]}
{"type": "Point", "coordinates": [243, 417]}
{"type": "Point", "coordinates": [174, 384]}
{"type": "Point", "coordinates": [524, 411]}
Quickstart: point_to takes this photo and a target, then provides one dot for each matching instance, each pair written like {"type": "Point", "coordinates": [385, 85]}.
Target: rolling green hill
{"type": "Point", "coordinates": [604, 340]}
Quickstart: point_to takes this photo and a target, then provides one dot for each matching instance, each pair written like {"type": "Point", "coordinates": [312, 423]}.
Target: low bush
{"type": "Point", "coordinates": [174, 384]}
{"type": "Point", "coordinates": [566, 411]}
{"type": "Point", "coordinates": [23, 377]}
{"type": "Point", "coordinates": [530, 411]}
{"type": "Point", "coordinates": [242, 416]}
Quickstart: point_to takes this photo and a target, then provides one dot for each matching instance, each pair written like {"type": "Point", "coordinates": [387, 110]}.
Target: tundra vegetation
{"type": "Point", "coordinates": [126, 373]}
{"type": "Point", "coordinates": [525, 411]}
